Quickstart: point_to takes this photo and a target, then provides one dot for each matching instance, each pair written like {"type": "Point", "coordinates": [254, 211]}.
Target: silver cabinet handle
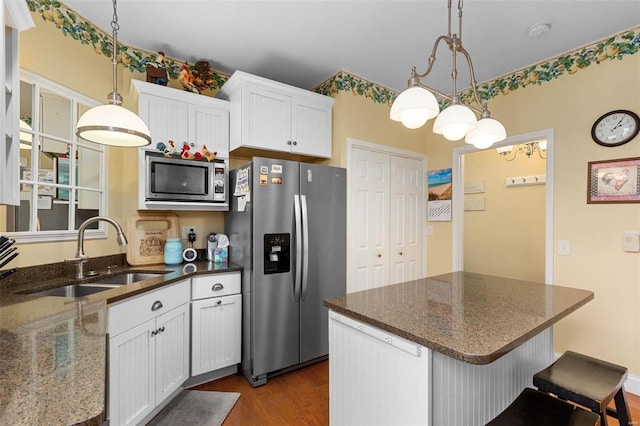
{"type": "Point", "coordinates": [288, 142]}
{"type": "Point", "coordinates": [295, 143]}
{"type": "Point", "coordinates": [161, 329]}
{"type": "Point", "coordinates": [156, 305]}
{"type": "Point", "coordinates": [379, 255]}
{"type": "Point", "coordinates": [217, 287]}
{"type": "Point", "coordinates": [219, 302]}
{"type": "Point", "coordinates": [154, 332]}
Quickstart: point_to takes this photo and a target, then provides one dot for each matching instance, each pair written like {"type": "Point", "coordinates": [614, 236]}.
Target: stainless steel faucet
{"type": "Point", "coordinates": [82, 258]}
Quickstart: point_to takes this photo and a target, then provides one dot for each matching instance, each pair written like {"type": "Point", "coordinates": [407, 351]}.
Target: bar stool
{"type": "Point", "coordinates": [589, 382]}
{"type": "Point", "coordinates": [535, 408]}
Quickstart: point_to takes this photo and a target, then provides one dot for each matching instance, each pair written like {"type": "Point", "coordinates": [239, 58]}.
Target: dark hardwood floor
{"type": "Point", "coordinates": [301, 398]}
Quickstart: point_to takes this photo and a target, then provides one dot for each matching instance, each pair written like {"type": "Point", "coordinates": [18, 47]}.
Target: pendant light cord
{"type": "Point", "coordinates": [114, 97]}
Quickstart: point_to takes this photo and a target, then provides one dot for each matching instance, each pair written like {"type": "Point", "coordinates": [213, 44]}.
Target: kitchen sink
{"type": "Point", "coordinates": [124, 278]}
{"type": "Point", "coordinates": [75, 290]}
{"type": "Point", "coordinates": [106, 283]}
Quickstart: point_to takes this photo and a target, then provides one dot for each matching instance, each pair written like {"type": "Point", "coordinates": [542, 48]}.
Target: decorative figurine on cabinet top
{"type": "Point", "coordinates": [157, 72]}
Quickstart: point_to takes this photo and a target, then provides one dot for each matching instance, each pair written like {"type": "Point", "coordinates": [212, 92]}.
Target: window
{"type": "Point", "coordinates": [62, 178]}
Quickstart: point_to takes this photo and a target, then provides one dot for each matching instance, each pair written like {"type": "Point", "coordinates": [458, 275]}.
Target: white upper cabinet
{"type": "Point", "coordinates": [273, 116]}
{"type": "Point", "coordinates": [178, 116]}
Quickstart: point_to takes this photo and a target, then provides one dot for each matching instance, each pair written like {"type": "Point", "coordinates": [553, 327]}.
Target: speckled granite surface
{"type": "Point", "coordinates": [53, 349]}
{"type": "Point", "coordinates": [471, 317]}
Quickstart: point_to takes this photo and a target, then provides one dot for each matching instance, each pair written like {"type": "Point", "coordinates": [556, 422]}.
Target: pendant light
{"type": "Point", "coordinates": [112, 124]}
{"type": "Point", "coordinates": [418, 103]}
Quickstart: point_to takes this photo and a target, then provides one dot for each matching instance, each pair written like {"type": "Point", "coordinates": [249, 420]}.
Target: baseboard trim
{"type": "Point", "coordinates": [631, 385]}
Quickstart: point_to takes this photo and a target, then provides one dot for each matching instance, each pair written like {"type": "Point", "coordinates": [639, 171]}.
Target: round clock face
{"type": "Point", "coordinates": [615, 128]}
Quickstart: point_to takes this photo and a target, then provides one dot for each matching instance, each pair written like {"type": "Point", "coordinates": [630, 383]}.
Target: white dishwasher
{"type": "Point", "coordinates": [216, 315]}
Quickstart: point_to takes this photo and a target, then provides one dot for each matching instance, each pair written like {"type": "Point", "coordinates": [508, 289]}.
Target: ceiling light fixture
{"type": "Point", "coordinates": [112, 124]}
{"type": "Point", "coordinates": [527, 148]}
{"type": "Point", "coordinates": [418, 103]}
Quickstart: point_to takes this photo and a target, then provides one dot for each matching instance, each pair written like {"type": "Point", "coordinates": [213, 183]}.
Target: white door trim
{"type": "Point", "coordinates": [358, 143]}
{"type": "Point", "coordinates": [457, 218]}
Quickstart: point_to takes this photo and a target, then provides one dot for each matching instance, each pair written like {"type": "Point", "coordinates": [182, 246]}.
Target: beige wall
{"type": "Point", "coordinates": [507, 238]}
{"type": "Point", "coordinates": [608, 327]}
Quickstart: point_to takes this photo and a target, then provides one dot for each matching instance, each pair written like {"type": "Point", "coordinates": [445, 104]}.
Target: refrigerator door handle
{"type": "Point", "coordinates": [297, 280]}
{"type": "Point", "coordinates": [305, 246]}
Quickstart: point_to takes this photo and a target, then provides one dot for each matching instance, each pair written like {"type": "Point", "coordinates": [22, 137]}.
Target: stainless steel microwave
{"type": "Point", "coordinates": [176, 179]}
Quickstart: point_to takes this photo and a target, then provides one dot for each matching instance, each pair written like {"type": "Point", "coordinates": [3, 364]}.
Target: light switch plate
{"type": "Point", "coordinates": [631, 241]}
{"type": "Point", "coordinates": [564, 248]}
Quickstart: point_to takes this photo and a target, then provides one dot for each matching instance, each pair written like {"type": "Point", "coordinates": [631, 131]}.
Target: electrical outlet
{"type": "Point", "coordinates": [185, 231]}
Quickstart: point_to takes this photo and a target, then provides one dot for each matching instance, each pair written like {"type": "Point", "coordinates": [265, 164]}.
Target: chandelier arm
{"type": "Point", "coordinates": [485, 111]}
{"type": "Point", "coordinates": [447, 97]}
{"type": "Point", "coordinates": [432, 58]}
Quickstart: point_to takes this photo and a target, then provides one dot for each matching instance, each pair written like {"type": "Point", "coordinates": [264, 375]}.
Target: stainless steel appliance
{"type": "Point", "coordinates": [287, 228]}
{"type": "Point", "coordinates": [176, 179]}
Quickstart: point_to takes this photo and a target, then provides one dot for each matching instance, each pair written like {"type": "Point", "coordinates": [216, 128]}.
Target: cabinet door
{"type": "Point", "coordinates": [132, 375]}
{"type": "Point", "coordinates": [266, 119]}
{"type": "Point", "coordinates": [311, 129]}
{"type": "Point", "coordinates": [172, 351]}
{"type": "Point", "coordinates": [166, 119]}
{"type": "Point", "coordinates": [210, 127]}
{"type": "Point", "coordinates": [216, 333]}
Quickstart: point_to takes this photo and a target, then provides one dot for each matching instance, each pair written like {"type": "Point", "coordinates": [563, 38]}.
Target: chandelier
{"type": "Point", "coordinates": [418, 103]}
{"type": "Point", "coordinates": [112, 124]}
{"type": "Point", "coordinates": [528, 149]}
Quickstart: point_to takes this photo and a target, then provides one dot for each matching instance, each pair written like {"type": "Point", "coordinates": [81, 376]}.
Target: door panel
{"type": "Point", "coordinates": [368, 220]}
{"type": "Point", "coordinates": [407, 218]}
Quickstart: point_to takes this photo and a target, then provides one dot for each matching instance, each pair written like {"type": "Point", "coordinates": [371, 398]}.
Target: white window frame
{"type": "Point", "coordinates": [70, 234]}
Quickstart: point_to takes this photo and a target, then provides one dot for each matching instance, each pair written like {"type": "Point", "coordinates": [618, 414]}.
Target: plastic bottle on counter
{"type": "Point", "coordinates": [173, 251]}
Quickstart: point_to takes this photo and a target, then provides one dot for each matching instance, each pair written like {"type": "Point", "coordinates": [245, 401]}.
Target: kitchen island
{"type": "Point", "coordinates": [454, 349]}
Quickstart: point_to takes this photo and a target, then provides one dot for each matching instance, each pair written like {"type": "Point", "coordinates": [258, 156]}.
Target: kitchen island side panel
{"type": "Point", "coordinates": [376, 378]}
{"type": "Point", "coordinates": [465, 394]}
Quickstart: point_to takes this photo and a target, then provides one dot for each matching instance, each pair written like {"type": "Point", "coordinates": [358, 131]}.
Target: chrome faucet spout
{"type": "Point", "coordinates": [81, 258]}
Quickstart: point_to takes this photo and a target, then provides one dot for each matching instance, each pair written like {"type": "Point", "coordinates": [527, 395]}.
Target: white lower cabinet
{"type": "Point", "coordinates": [148, 351]}
{"type": "Point", "coordinates": [216, 332]}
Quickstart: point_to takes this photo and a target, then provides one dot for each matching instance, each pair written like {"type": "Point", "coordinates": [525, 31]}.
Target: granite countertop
{"type": "Point", "coordinates": [53, 349]}
{"type": "Point", "coordinates": [471, 317]}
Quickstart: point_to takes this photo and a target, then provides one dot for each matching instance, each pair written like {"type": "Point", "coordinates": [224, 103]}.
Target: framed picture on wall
{"type": "Point", "coordinates": [614, 181]}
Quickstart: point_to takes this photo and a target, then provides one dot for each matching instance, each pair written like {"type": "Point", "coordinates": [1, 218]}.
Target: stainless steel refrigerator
{"type": "Point", "coordinates": [287, 228]}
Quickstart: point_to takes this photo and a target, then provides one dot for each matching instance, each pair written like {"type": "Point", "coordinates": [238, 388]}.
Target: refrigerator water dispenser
{"type": "Point", "coordinates": [277, 254]}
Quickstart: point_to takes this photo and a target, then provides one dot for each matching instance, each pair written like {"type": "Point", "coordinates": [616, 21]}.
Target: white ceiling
{"type": "Point", "coordinates": [304, 42]}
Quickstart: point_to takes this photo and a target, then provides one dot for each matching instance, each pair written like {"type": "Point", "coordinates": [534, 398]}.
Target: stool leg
{"type": "Point", "coordinates": [603, 418]}
{"type": "Point", "coordinates": [622, 407]}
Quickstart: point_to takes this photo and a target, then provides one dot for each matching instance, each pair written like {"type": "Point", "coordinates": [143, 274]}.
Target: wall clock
{"type": "Point", "coordinates": [615, 128]}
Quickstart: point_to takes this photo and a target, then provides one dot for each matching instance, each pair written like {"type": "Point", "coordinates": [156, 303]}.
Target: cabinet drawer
{"type": "Point", "coordinates": [134, 311]}
{"type": "Point", "coordinates": [215, 285]}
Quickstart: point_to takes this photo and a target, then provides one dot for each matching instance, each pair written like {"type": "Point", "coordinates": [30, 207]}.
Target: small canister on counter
{"type": "Point", "coordinates": [173, 251]}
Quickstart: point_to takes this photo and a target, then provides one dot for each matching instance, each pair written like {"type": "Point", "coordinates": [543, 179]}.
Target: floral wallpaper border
{"type": "Point", "coordinates": [135, 59]}
{"type": "Point", "coordinates": [614, 47]}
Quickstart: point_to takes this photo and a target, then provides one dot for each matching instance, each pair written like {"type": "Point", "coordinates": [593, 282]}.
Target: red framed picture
{"type": "Point", "coordinates": [614, 181]}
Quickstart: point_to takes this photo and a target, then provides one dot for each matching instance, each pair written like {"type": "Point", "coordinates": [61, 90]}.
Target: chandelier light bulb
{"type": "Point", "coordinates": [487, 132]}
{"type": "Point", "coordinates": [414, 107]}
{"type": "Point", "coordinates": [454, 122]}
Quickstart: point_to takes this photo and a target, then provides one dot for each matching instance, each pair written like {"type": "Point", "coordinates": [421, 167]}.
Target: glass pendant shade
{"type": "Point", "coordinates": [487, 132]}
{"type": "Point", "coordinates": [414, 106]}
{"type": "Point", "coordinates": [454, 122]}
{"type": "Point", "coordinates": [113, 125]}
